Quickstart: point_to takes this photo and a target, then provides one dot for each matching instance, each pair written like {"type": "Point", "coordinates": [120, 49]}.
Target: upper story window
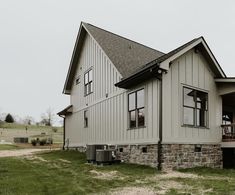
{"type": "Point", "coordinates": [195, 107]}
{"type": "Point", "coordinates": [88, 82]}
{"type": "Point", "coordinates": [136, 109]}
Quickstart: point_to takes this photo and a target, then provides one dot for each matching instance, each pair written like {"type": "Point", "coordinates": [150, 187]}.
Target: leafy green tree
{"type": "Point", "coordinates": [9, 119]}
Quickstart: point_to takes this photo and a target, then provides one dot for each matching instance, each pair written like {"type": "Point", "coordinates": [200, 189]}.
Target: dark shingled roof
{"type": "Point", "coordinates": [128, 56]}
{"type": "Point", "coordinates": [156, 62]}
{"type": "Point", "coordinates": [168, 55]}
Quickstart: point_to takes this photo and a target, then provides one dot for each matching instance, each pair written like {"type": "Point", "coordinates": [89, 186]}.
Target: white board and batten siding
{"type": "Point", "coordinates": [107, 105]}
{"type": "Point", "coordinates": [191, 70]}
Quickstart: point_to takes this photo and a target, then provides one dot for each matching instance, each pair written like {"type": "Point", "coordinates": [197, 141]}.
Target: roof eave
{"type": "Point", "coordinates": [151, 72]}
{"type": "Point", "coordinates": [225, 80]}
{"type": "Point", "coordinates": [66, 111]}
{"type": "Point", "coordinates": [166, 63]}
{"type": "Point", "coordinates": [72, 66]}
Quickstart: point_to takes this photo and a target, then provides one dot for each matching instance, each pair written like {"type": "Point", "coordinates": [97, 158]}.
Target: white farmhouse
{"type": "Point", "coordinates": [173, 110]}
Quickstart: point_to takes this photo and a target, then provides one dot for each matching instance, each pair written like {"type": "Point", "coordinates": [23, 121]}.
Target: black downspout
{"type": "Point", "coordinates": [64, 135]}
{"type": "Point", "coordinates": [160, 130]}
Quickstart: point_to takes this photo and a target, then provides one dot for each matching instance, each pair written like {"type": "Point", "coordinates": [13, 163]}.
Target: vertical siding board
{"type": "Point", "coordinates": [201, 71]}
{"type": "Point", "coordinates": [175, 99]}
{"type": "Point", "coordinates": [189, 69]}
{"type": "Point", "coordinates": [110, 79]}
{"type": "Point", "coordinates": [118, 121]}
{"type": "Point", "coordinates": [108, 118]}
{"type": "Point", "coordinates": [197, 74]}
{"type": "Point", "coordinates": [114, 118]}
{"type": "Point", "coordinates": [123, 119]}
{"type": "Point", "coordinates": [195, 69]}
{"type": "Point", "coordinates": [182, 79]}
{"type": "Point", "coordinates": [166, 105]}
{"type": "Point", "coordinates": [149, 108]}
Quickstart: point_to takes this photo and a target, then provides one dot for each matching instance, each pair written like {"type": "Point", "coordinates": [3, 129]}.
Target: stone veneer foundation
{"type": "Point", "coordinates": [139, 154]}
{"type": "Point", "coordinates": [173, 156]}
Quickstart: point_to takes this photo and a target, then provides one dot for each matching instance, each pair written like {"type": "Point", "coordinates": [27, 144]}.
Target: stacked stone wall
{"type": "Point", "coordinates": [139, 154]}
{"type": "Point", "coordinates": [175, 156]}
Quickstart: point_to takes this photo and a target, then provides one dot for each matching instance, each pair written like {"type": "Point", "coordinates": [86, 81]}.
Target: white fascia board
{"type": "Point", "coordinates": [213, 59]}
{"type": "Point", "coordinates": [166, 63]}
{"type": "Point", "coordinates": [72, 58]}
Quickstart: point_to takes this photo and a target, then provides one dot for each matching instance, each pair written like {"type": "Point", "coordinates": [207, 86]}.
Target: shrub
{"type": "Point", "coordinates": [54, 129]}
{"type": "Point", "coordinates": [42, 142]}
{"type": "Point", "coordinates": [9, 119]}
{"type": "Point", "coordinates": [49, 141]}
{"type": "Point", "coordinates": [34, 142]}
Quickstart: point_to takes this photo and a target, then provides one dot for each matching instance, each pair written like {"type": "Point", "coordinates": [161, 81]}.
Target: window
{"type": "Point", "coordinates": [198, 148]}
{"type": "Point", "coordinates": [85, 118]}
{"type": "Point", "coordinates": [88, 82]}
{"type": "Point", "coordinates": [136, 109]}
{"type": "Point", "coordinates": [195, 107]}
{"type": "Point", "coordinates": [228, 120]}
{"type": "Point", "coordinates": [144, 150]}
{"type": "Point", "coordinates": [77, 81]}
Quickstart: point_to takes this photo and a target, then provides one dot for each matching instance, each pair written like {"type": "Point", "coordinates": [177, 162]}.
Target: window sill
{"type": "Point", "coordinates": [88, 94]}
{"type": "Point", "coordinates": [196, 127]}
{"type": "Point", "coordinates": [134, 128]}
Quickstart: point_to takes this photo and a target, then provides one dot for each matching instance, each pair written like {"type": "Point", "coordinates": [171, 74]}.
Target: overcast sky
{"type": "Point", "coordinates": [37, 40]}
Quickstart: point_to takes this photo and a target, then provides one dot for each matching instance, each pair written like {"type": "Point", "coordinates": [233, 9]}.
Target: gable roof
{"type": "Point", "coordinates": [127, 56]}
{"type": "Point", "coordinates": [198, 43]}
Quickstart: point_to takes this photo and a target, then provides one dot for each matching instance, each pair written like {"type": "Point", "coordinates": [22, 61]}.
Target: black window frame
{"type": "Point", "coordinates": [196, 108]}
{"type": "Point", "coordinates": [136, 110]}
{"type": "Point", "coordinates": [88, 86]}
{"type": "Point", "coordinates": [85, 118]}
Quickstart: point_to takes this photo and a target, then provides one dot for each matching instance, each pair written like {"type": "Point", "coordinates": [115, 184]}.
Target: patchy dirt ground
{"type": "Point", "coordinates": [164, 182]}
{"type": "Point", "coordinates": [20, 152]}
{"type": "Point", "coordinates": [134, 191]}
{"type": "Point", "coordinates": [106, 175]}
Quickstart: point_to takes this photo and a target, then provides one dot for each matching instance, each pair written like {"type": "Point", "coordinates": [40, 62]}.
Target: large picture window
{"type": "Point", "coordinates": [195, 107]}
{"type": "Point", "coordinates": [136, 109]}
{"type": "Point", "coordinates": [88, 82]}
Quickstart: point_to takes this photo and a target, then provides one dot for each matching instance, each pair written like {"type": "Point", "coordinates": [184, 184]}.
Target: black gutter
{"type": "Point", "coordinates": [146, 73]}
{"type": "Point", "coordinates": [64, 135]}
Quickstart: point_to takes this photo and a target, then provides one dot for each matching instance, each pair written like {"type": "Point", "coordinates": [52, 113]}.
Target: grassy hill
{"type": "Point", "coordinates": [10, 130]}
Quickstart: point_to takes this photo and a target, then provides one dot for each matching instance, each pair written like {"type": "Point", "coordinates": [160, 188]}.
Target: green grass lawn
{"type": "Point", "coordinates": [10, 130]}
{"type": "Point", "coordinates": [32, 127]}
{"type": "Point", "coordinates": [8, 147]}
{"type": "Point", "coordinates": [66, 172]}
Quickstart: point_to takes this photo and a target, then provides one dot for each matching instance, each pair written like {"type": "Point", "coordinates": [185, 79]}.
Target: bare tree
{"type": "Point", "coordinates": [28, 120]}
{"type": "Point", "coordinates": [48, 117]}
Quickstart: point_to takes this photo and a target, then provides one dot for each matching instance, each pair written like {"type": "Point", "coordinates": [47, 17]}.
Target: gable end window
{"type": "Point", "coordinates": [195, 107]}
{"type": "Point", "coordinates": [77, 80]}
{"type": "Point", "coordinates": [88, 82]}
{"type": "Point", "coordinates": [136, 109]}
